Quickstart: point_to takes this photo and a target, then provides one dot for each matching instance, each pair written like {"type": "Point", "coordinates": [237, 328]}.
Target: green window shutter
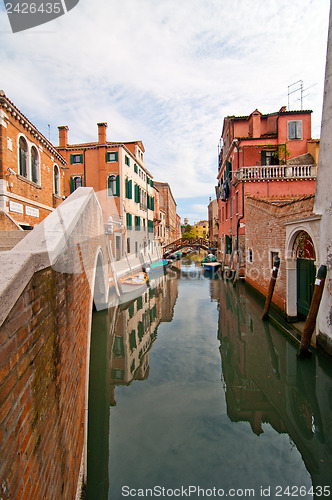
{"type": "Point", "coordinates": [118, 346]}
{"type": "Point", "coordinates": [117, 193]}
{"type": "Point", "coordinates": [137, 223]}
{"type": "Point", "coordinates": [135, 168]}
{"type": "Point", "coordinates": [148, 201]}
{"type": "Point", "coordinates": [71, 184]}
{"type": "Point", "coordinates": [130, 187]}
{"type": "Point", "coordinates": [151, 183]}
{"type": "Point", "coordinates": [127, 161]}
{"type": "Point", "coordinates": [152, 203]}
{"type": "Point", "coordinates": [137, 193]}
{"type": "Point", "coordinates": [81, 158]}
{"type": "Point", "coordinates": [129, 221]}
{"type": "Point", "coordinates": [71, 158]}
{"type": "Point", "coordinates": [112, 156]}
{"type": "Point", "coordinates": [127, 189]}
{"type": "Point", "coordinates": [148, 180]}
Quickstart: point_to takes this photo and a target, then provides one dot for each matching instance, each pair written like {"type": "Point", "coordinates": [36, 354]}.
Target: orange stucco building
{"type": "Point", "coordinates": [262, 155]}
{"type": "Point", "coordinates": [124, 187]}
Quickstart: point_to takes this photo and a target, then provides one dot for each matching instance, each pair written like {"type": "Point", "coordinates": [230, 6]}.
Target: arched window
{"type": "Point", "coordinates": [303, 246]}
{"type": "Point", "coordinates": [34, 165]}
{"type": "Point", "coordinates": [56, 180]}
{"type": "Point", "coordinates": [113, 185]}
{"type": "Point", "coordinates": [23, 157]}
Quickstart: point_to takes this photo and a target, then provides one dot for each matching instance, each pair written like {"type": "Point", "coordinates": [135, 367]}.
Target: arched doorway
{"type": "Point", "coordinates": [304, 252]}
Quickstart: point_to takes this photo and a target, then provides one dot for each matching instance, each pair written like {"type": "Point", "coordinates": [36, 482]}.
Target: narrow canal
{"type": "Point", "coordinates": [192, 395]}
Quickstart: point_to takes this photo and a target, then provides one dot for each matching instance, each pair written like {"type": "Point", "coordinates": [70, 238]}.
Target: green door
{"type": "Point", "coordinates": [306, 273]}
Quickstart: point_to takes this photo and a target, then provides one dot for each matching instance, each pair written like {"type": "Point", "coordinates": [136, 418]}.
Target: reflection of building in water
{"type": "Point", "coordinates": [266, 383]}
{"type": "Point", "coordinates": [135, 331]}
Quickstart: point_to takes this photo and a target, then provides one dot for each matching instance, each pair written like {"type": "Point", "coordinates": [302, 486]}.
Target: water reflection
{"type": "Point", "coordinates": [263, 419]}
{"type": "Point", "coordinates": [266, 383]}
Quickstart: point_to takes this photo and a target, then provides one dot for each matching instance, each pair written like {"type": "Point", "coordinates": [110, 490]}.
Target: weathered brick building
{"type": "Point", "coordinates": [31, 171]}
{"type": "Point", "coordinates": [266, 236]}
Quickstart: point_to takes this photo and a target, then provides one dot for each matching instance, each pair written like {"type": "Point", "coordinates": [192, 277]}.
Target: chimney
{"type": "Point", "coordinates": [102, 132]}
{"type": "Point", "coordinates": [256, 124]}
{"type": "Point", "coordinates": [63, 140]}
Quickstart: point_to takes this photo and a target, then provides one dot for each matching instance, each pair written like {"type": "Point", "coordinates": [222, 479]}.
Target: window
{"type": "Point", "coordinates": [56, 180]}
{"type": "Point", "coordinates": [137, 190]}
{"type": "Point", "coordinates": [295, 129]}
{"type": "Point", "coordinates": [129, 221]}
{"type": "Point", "coordinates": [137, 223]}
{"type": "Point", "coordinates": [128, 245]}
{"type": "Point", "coordinates": [274, 255]}
{"type": "Point", "coordinates": [117, 374]}
{"type": "Point", "coordinates": [132, 339]}
{"type": "Point", "coordinates": [34, 160]}
{"type": "Point", "coordinates": [111, 156]}
{"type": "Point", "coordinates": [135, 168]}
{"type": "Point", "coordinates": [23, 156]}
{"type": "Point", "coordinates": [127, 161]}
{"type": "Point", "coordinates": [129, 189]}
{"type": "Point", "coordinates": [231, 207]}
{"type": "Point", "coordinates": [113, 187]}
{"type": "Point", "coordinates": [76, 158]}
{"type": "Point", "coordinates": [150, 226]}
{"type": "Point", "coordinates": [75, 182]}
{"type": "Point", "coordinates": [118, 346]}
{"type": "Point", "coordinates": [269, 157]}
{"type": "Point", "coordinates": [250, 255]}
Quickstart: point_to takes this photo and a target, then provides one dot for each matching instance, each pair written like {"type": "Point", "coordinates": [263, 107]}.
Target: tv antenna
{"type": "Point", "coordinates": [300, 89]}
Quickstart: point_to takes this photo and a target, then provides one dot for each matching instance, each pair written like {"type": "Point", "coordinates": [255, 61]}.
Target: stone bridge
{"type": "Point", "coordinates": [49, 283]}
{"type": "Point", "coordinates": [188, 243]}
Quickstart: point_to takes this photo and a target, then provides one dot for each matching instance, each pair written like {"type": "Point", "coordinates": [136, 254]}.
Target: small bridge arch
{"type": "Point", "coordinates": [188, 242]}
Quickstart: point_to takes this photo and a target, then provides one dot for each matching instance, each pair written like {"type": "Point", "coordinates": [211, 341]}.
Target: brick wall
{"type": "Point", "coordinates": [19, 189]}
{"type": "Point", "coordinates": [266, 233]}
{"type": "Point", "coordinates": [44, 342]}
{"type": "Point", "coordinates": [43, 367]}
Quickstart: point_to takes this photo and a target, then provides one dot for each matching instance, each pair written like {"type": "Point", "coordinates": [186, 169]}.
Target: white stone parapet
{"type": "Point", "coordinates": [275, 172]}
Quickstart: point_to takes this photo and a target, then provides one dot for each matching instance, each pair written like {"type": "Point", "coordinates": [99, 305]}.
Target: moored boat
{"type": "Point", "coordinates": [132, 285]}
{"type": "Point", "coordinates": [211, 266]}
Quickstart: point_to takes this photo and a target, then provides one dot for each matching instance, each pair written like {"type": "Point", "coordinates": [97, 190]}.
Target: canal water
{"type": "Point", "coordinates": [192, 395]}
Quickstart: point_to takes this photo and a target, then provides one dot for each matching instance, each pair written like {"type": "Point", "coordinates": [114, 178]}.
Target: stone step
{"type": "Point", "coordinates": [8, 239]}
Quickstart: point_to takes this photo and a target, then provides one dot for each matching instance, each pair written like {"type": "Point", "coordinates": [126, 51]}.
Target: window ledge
{"type": "Point", "coordinates": [24, 179]}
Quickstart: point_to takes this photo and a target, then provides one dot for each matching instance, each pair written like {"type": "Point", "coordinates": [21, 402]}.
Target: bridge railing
{"type": "Point", "coordinates": [188, 242]}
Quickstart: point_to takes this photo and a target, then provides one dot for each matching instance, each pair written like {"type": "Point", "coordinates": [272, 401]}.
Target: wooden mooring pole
{"type": "Point", "coordinates": [273, 280]}
{"type": "Point", "coordinates": [310, 322]}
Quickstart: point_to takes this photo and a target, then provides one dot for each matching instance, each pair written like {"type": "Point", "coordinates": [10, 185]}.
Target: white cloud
{"type": "Point", "coordinates": [167, 73]}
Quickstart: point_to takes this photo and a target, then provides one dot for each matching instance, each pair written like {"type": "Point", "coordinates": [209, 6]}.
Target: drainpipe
{"type": "Point", "coordinates": [84, 172]}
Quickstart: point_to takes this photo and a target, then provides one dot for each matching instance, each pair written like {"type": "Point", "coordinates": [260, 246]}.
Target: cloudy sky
{"type": "Point", "coordinates": [167, 72]}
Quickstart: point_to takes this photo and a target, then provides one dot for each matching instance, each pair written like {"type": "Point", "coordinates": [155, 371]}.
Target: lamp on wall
{"type": "Point", "coordinates": [10, 172]}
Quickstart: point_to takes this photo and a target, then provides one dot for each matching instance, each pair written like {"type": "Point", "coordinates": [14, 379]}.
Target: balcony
{"type": "Point", "coordinates": [274, 172]}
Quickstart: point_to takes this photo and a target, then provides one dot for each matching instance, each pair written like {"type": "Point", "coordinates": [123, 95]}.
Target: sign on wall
{"type": "Point", "coordinates": [15, 207]}
{"type": "Point", "coordinates": [33, 212]}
